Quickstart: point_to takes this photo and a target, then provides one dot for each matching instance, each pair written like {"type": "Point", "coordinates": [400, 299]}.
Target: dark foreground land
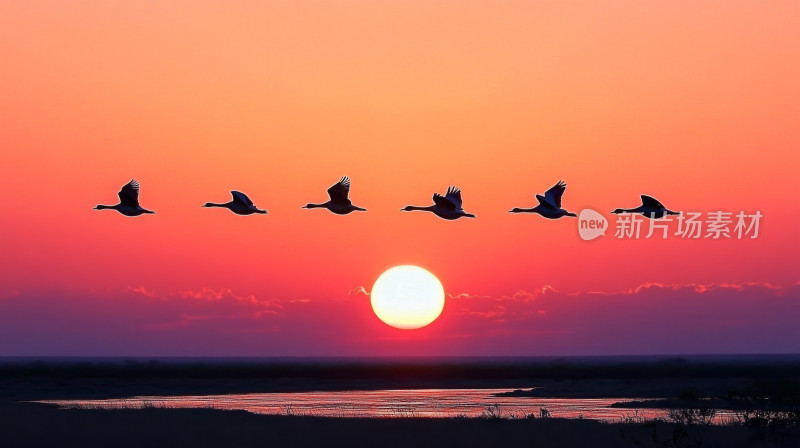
{"type": "Point", "coordinates": [623, 377]}
{"type": "Point", "coordinates": [767, 388]}
{"type": "Point", "coordinates": [36, 425]}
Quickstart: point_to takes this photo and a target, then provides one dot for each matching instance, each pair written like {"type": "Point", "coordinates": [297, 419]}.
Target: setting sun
{"type": "Point", "coordinates": [407, 297]}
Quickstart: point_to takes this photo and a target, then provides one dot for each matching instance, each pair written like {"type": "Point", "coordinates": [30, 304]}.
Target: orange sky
{"type": "Point", "coordinates": [695, 103]}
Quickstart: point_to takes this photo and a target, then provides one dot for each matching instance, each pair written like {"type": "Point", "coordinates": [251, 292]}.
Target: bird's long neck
{"type": "Point", "coordinates": [148, 211]}
{"type": "Point", "coordinates": [105, 207]}
{"type": "Point", "coordinates": [212, 204]}
{"type": "Point", "coordinates": [412, 208]}
{"type": "Point", "coordinates": [316, 205]}
{"type": "Point", "coordinates": [529, 210]}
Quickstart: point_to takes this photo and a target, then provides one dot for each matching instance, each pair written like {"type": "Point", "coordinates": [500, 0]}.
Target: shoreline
{"type": "Point", "coordinates": [32, 380]}
{"type": "Point", "coordinates": [43, 425]}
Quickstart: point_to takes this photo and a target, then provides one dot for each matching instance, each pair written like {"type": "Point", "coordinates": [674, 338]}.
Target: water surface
{"type": "Point", "coordinates": [435, 403]}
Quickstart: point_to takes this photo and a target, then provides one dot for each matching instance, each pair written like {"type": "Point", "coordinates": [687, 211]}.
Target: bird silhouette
{"type": "Point", "coordinates": [650, 208]}
{"type": "Point", "coordinates": [549, 204]}
{"type": "Point", "coordinates": [240, 204]}
{"type": "Point", "coordinates": [128, 201]}
{"type": "Point", "coordinates": [339, 203]}
{"type": "Point", "coordinates": [448, 206]}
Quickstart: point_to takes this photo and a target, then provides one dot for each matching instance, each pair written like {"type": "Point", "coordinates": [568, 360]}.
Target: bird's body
{"type": "Point", "coordinates": [240, 204]}
{"type": "Point", "coordinates": [651, 208]}
{"type": "Point", "coordinates": [339, 209]}
{"type": "Point", "coordinates": [339, 202]}
{"type": "Point", "coordinates": [545, 211]}
{"type": "Point", "coordinates": [128, 201]}
{"type": "Point", "coordinates": [550, 204]}
{"type": "Point", "coordinates": [447, 207]}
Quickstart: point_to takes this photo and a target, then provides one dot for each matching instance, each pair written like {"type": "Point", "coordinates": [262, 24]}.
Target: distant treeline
{"type": "Point", "coordinates": [402, 369]}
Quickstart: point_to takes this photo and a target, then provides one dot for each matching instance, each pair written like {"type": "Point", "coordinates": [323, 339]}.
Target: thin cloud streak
{"type": "Point", "coordinates": [651, 318]}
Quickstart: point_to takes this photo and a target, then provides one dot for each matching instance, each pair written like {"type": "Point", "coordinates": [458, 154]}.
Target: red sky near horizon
{"type": "Point", "coordinates": [696, 104]}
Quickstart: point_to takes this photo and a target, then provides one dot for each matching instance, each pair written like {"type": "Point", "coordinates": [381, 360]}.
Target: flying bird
{"type": "Point", "coordinates": [128, 201]}
{"type": "Point", "coordinates": [240, 204]}
{"type": "Point", "coordinates": [339, 202]}
{"type": "Point", "coordinates": [549, 204]}
{"type": "Point", "coordinates": [445, 207]}
{"type": "Point", "coordinates": [650, 208]}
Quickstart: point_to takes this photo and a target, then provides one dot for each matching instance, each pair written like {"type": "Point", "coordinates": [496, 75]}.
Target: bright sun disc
{"type": "Point", "coordinates": [407, 297]}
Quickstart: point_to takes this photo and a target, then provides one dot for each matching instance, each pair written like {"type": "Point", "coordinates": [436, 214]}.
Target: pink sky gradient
{"type": "Point", "coordinates": [694, 103]}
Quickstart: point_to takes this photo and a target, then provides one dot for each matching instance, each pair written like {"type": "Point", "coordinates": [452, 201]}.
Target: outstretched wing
{"type": "Point", "coordinates": [451, 200]}
{"type": "Point", "coordinates": [241, 198]}
{"type": "Point", "coordinates": [553, 195]}
{"type": "Point", "coordinates": [442, 202]}
{"type": "Point", "coordinates": [339, 191]}
{"type": "Point", "coordinates": [454, 195]}
{"type": "Point", "coordinates": [651, 202]}
{"type": "Point", "coordinates": [129, 194]}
